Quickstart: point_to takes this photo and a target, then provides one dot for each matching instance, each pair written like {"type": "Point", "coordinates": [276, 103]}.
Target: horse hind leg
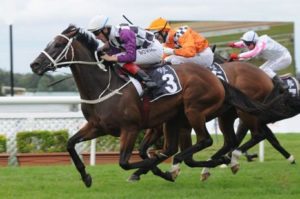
{"type": "Point", "coordinates": [151, 137]}
{"type": "Point", "coordinates": [204, 140]}
{"type": "Point", "coordinates": [275, 143]}
{"type": "Point", "coordinates": [171, 139]}
{"type": "Point", "coordinates": [171, 147]}
{"type": "Point", "coordinates": [84, 134]}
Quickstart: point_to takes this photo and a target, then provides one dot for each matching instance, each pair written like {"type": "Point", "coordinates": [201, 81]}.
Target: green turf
{"type": "Point", "coordinates": [275, 178]}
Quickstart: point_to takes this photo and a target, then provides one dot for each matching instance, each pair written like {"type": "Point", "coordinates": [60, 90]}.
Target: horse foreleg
{"type": "Point", "coordinates": [127, 141]}
{"type": "Point", "coordinates": [86, 133]}
{"type": "Point", "coordinates": [151, 136]}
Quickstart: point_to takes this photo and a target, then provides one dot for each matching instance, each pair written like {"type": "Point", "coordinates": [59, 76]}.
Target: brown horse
{"type": "Point", "coordinates": [255, 84]}
{"type": "Point", "coordinates": [119, 111]}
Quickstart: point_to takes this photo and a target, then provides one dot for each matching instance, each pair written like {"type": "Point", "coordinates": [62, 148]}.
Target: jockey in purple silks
{"type": "Point", "coordinates": [128, 45]}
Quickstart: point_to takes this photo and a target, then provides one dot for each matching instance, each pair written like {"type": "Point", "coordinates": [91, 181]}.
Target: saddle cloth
{"type": "Point", "coordinates": [217, 70]}
{"type": "Point", "coordinates": [166, 79]}
{"type": "Point", "coordinates": [292, 82]}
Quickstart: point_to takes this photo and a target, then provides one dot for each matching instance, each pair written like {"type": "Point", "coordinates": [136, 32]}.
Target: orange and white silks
{"type": "Point", "coordinates": [186, 42]}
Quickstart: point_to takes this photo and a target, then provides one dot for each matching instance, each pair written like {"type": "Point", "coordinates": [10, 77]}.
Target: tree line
{"type": "Point", "coordinates": [34, 83]}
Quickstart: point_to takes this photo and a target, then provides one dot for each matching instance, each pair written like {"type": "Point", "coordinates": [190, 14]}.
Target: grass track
{"type": "Point", "coordinates": [275, 178]}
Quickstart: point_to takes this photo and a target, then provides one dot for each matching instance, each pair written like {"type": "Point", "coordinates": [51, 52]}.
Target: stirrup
{"type": "Point", "coordinates": [283, 87]}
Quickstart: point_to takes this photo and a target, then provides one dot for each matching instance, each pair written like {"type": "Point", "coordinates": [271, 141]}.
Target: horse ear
{"type": "Point", "coordinates": [73, 29]}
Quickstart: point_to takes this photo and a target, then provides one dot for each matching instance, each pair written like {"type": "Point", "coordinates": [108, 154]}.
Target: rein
{"type": "Point", "coordinates": [58, 61]}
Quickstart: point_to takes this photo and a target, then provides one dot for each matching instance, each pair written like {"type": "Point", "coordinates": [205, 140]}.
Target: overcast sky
{"type": "Point", "coordinates": [36, 22]}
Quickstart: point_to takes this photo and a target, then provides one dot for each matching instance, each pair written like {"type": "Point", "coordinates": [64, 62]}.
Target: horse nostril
{"type": "Point", "coordinates": [34, 66]}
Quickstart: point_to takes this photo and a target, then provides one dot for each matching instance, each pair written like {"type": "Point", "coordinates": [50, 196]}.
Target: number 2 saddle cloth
{"type": "Point", "coordinates": [292, 82]}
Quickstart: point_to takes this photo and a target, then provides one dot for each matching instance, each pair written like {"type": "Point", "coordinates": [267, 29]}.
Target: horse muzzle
{"type": "Point", "coordinates": [37, 68]}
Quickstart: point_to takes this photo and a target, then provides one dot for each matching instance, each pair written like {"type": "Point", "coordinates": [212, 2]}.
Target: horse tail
{"type": "Point", "coordinates": [270, 111]}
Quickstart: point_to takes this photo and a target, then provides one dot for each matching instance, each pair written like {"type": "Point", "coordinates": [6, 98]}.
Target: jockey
{"type": "Point", "coordinates": [182, 44]}
{"type": "Point", "coordinates": [128, 45]}
{"type": "Point", "coordinates": [277, 56]}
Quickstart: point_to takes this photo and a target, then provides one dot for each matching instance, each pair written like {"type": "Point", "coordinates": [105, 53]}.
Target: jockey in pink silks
{"type": "Point", "coordinates": [277, 56]}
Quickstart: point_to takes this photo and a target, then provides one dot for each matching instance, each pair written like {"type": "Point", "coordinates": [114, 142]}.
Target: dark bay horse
{"type": "Point", "coordinates": [255, 84]}
{"type": "Point", "coordinates": [111, 106]}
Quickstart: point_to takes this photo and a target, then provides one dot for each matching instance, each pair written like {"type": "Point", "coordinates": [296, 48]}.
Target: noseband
{"type": "Point", "coordinates": [58, 61]}
{"type": "Point", "coordinates": [62, 55]}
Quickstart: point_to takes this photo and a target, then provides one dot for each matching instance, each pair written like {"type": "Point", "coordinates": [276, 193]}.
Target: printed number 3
{"type": "Point", "coordinates": [170, 81]}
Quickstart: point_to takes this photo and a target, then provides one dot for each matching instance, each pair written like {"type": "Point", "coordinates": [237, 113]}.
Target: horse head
{"type": "Point", "coordinates": [60, 51]}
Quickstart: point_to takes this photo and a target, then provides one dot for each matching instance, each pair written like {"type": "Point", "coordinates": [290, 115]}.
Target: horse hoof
{"type": "Point", "coordinates": [291, 159]}
{"type": "Point", "coordinates": [235, 168]}
{"type": "Point", "coordinates": [174, 174]}
{"type": "Point", "coordinates": [204, 176]}
{"type": "Point", "coordinates": [169, 177]}
{"type": "Point", "coordinates": [251, 157]}
{"type": "Point", "coordinates": [133, 178]}
{"type": "Point", "coordinates": [293, 162]}
{"type": "Point", "coordinates": [87, 180]}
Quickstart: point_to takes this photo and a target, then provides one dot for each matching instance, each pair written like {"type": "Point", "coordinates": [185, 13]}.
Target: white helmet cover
{"type": "Point", "coordinates": [250, 36]}
{"type": "Point", "coordinates": [97, 22]}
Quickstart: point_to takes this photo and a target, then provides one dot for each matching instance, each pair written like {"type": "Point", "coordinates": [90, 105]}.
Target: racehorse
{"type": "Point", "coordinates": [111, 106]}
{"type": "Point", "coordinates": [265, 132]}
{"type": "Point", "coordinates": [255, 84]}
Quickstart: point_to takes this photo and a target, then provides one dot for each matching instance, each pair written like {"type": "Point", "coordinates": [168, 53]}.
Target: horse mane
{"type": "Point", "coordinates": [84, 37]}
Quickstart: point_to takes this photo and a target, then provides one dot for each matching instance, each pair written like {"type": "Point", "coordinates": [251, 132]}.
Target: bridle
{"type": "Point", "coordinates": [64, 53]}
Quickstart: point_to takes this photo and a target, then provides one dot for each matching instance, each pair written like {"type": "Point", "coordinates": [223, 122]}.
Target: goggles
{"type": "Point", "coordinates": [97, 32]}
{"type": "Point", "coordinates": [248, 43]}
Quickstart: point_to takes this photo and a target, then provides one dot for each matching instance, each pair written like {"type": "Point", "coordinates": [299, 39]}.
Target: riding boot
{"type": "Point", "coordinates": [145, 78]}
{"type": "Point", "coordinates": [282, 86]}
{"type": "Point", "coordinates": [140, 75]}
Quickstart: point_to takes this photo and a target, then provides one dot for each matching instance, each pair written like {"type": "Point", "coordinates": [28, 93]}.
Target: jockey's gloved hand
{"type": "Point", "coordinates": [231, 44]}
{"type": "Point", "coordinates": [168, 51]}
{"type": "Point", "coordinates": [234, 56]}
{"type": "Point", "coordinates": [107, 57]}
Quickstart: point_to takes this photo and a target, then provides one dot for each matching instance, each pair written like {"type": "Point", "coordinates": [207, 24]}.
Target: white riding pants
{"type": "Point", "coordinates": [275, 65]}
{"type": "Point", "coordinates": [151, 55]}
{"type": "Point", "coordinates": [204, 58]}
